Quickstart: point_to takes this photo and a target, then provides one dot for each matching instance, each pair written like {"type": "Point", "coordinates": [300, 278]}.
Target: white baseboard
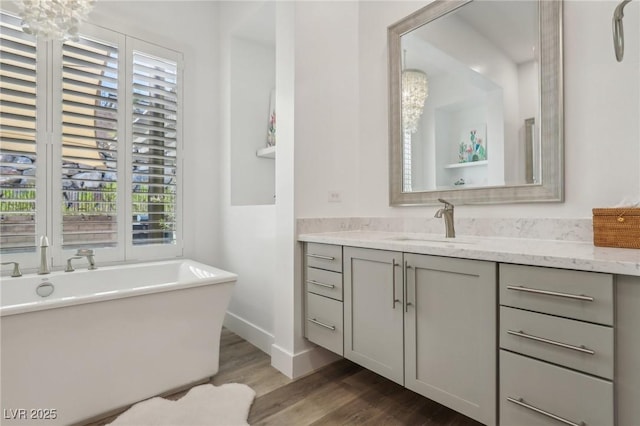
{"type": "Point", "coordinates": [302, 363]}
{"type": "Point", "coordinates": [250, 332]}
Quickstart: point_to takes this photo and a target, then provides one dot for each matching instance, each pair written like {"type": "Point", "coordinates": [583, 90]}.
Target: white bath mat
{"type": "Point", "coordinates": [205, 405]}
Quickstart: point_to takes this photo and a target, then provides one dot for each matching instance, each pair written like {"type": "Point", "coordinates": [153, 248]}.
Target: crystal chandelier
{"type": "Point", "coordinates": [54, 19]}
{"type": "Point", "coordinates": [414, 93]}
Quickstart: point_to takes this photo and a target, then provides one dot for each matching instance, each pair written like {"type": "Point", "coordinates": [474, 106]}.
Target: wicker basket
{"type": "Point", "coordinates": [619, 227]}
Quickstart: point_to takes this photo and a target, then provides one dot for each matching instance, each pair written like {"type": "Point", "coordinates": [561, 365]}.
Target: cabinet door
{"type": "Point", "coordinates": [628, 350]}
{"type": "Point", "coordinates": [373, 294]}
{"type": "Point", "coordinates": [450, 340]}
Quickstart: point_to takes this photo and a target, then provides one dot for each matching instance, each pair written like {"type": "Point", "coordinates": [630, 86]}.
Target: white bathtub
{"type": "Point", "coordinates": [107, 338]}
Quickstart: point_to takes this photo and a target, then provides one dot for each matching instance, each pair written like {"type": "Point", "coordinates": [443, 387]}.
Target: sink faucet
{"type": "Point", "coordinates": [447, 212]}
{"type": "Point", "coordinates": [16, 268]}
{"type": "Point", "coordinates": [88, 253]}
{"type": "Point", "coordinates": [44, 266]}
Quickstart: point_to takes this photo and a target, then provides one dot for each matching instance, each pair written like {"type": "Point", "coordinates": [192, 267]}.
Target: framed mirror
{"type": "Point", "coordinates": [476, 106]}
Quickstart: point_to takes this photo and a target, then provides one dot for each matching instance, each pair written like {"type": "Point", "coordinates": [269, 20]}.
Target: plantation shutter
{"type": "Point", "coordinates": [90, 140]}
{"type": "Point", "coordinates": [154, 149]}
{"type": "Point", "coordinates": [18, 133]}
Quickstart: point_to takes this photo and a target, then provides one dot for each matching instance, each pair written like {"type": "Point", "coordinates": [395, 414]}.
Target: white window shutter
{"type": "Point", "coordinates": [19, 130]}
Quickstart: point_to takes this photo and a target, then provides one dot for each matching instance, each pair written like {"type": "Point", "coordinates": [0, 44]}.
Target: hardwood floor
{"type": "Point", "coordinates": [342, 393]}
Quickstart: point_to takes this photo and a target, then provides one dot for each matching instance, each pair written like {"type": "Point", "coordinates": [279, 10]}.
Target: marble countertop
{"type": "Point", "coordinates": [582, 256]}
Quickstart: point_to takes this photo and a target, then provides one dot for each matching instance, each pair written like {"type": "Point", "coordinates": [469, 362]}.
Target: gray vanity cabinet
{"type": "Point", "coordinates": [426, 322]}
{"type": "Point", "coordinates": [628, 350]}
{"type": "Point", "coordinates": [373, 311]}
{"type": "Point", "coordinates": [323, 296]}
{"type": "Point", "coordinates": [450, 339]}
{"type": "Point", "coordinates": [556, 346]}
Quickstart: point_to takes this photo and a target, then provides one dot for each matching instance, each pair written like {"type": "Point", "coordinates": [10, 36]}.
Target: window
{"type": "Point", "coordinates": [154, 149]}
{"type": "Point", "coordinates": [106, 140]}
{"type": "Point", "coordinates": [90, 141]}
{"type": "Point", "coordinates": [407, 172]}
{"type": "Point", "coordinates": [19, 125]}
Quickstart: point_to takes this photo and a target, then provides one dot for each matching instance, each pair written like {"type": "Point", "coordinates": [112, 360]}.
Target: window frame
{"type": "Point", "coordinates": [154, 251]}
{"type": "Point", "coordinates": [42, 150]}
{"type": "Point", "coordinates": [49, 193]}
{"type": "Point", "coordinates": [106, 254]}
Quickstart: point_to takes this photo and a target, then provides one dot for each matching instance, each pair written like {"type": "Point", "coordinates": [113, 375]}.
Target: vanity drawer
{"type": "Point", "coordinates": [547, 390]}
{"type": "Point", "coordinates": [574, 344]}
{"type": "Point", "coordinates": [324, 256]}
{"type": "Point", "coordinates": [579, 295]}
{"type": "Point", "coordinates": [324, 322]}
{"type": "Point", "coordinates": [324, 283]}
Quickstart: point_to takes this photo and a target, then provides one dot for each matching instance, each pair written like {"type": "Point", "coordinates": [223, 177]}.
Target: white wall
{"type": "Point", "coordinates": [327, 89]}
{"type": "Point", "coordinates": [247, 233]}
{"type": "Point", "coordinates": [602, 106]}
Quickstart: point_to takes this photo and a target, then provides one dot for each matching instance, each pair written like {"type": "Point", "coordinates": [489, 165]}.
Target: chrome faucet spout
{"type": "Point", "coordinates": [447, 213]}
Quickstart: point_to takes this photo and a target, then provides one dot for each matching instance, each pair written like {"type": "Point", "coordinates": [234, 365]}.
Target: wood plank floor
{"type": "Point", "coordinates": [342, 393]}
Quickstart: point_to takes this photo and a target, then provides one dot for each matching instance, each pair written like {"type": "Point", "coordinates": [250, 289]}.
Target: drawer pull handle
{"type": "Point", "coordinates": [318, 256]}
{"type": "Point", "coordinates": [552, 293]}
{"type": "Point", "coordinates": [321, 324]}
{"type": "Point", "coordinates": [551, 342]}
{"type": "Point", "coordinates": [520, 402]}
{"type": "Point", "coordinates": [321, 284]}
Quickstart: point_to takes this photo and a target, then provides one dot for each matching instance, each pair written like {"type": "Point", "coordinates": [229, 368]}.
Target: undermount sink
{"type": "Point", "coordinates": [432, 240]}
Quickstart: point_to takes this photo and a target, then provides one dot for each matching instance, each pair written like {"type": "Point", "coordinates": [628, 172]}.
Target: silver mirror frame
{"type": "Point", "coordinates": [551, 115]}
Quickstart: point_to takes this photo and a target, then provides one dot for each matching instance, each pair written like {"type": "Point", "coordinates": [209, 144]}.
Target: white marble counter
{"type": "Point", "coordinates": [577, 255]}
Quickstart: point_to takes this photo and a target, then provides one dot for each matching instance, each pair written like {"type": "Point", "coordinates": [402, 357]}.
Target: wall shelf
{"type": "Point", "coordinates": [468, 164]}
{"type": "Point", "coordinates": [268, 152]}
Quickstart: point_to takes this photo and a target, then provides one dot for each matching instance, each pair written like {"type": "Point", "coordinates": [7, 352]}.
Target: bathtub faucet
{"type": "Point", "coordinates": [88, 253]}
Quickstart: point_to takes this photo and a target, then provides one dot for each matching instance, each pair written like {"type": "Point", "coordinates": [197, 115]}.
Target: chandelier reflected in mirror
{"type": "Point", "coordinates": [415, 90]}
{"type": "Point", "coordinates": [54, 19]}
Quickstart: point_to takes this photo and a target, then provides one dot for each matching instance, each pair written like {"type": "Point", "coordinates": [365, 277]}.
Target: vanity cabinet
{"type": "Point", "coordinates": [628, 350]}
{"type": "Point", "coordinates": [425, 322]}
{"type": "Point", "coordinates": [323, 296]}
{"type": "Point", "coordinates": [556, 346]}
{"type": "Point", "coordinates": [566, 345]}
{"type": "Point", "coordinates": [373, 311]}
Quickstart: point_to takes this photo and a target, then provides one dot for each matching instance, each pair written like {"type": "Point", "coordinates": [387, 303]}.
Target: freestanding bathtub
{"type": "Point", "coordinates": [107, 338]}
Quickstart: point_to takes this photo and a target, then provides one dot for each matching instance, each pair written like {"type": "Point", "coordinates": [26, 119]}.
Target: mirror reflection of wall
{"type": "Point", "coordinates": [482, 70]}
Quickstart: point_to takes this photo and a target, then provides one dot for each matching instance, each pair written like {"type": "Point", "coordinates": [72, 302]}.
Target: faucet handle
{"type": "Point", "coordinates": [84, 252]}
{"type": "Point", "coordinates": [447, 205]}
{"type": "Point", "coordinates": [69, 267]}
{"type": "Point", "coordinates": [16, 269]}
